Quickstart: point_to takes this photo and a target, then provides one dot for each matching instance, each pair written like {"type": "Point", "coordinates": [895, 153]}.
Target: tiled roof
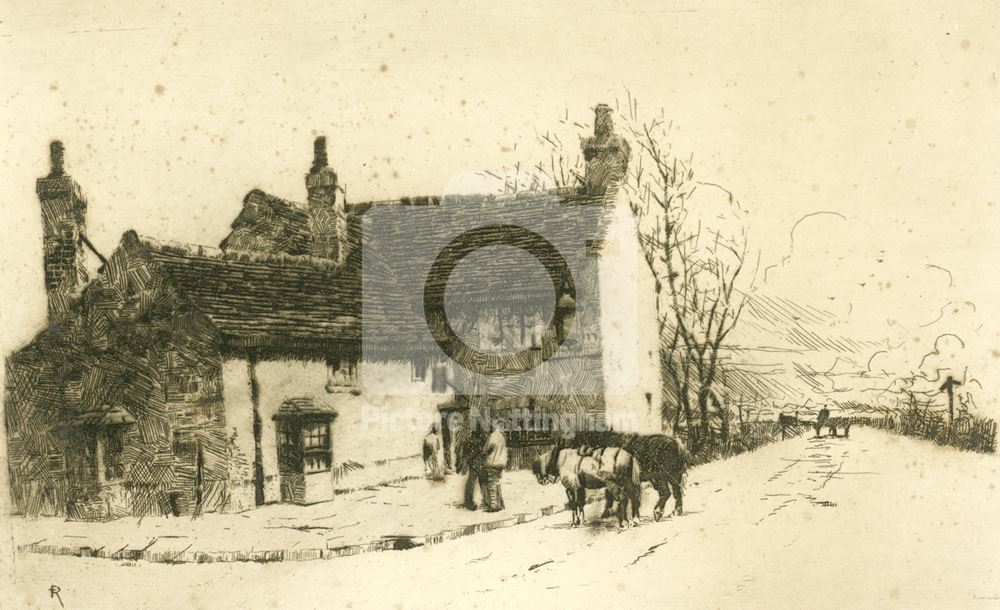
{"type": "Point", "coordinates": [304, 407]}
{"type": "Point", "coordinates": [279, 300]}
{"type": "Point", "coordinates": [266, 300]}
{"type": "Point", "coordinates": [399, 253]}
{"type": "Point", "coordinates": [270, 224]}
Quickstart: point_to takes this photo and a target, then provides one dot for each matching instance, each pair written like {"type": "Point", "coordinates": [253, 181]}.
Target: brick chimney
{"type": "Point", "coordinates": [606, 153]}
{"type": "Point", "coordinates": [328, 218]}
{"type": "Point", "coordinates": [64, 212]}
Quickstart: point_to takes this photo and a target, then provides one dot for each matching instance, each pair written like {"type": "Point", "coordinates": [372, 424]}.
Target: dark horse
{"type": "Point", "coordinates": [663, 460]}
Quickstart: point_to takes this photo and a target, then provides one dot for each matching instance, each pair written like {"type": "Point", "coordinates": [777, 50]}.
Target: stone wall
{"type": "Point", "coordinates": [191, 375]}
{"type": "Point", "coordinates": [126, 344]}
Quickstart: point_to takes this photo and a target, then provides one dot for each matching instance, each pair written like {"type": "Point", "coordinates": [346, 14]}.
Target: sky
{"type": "Point", "coordinates": [862, 137]}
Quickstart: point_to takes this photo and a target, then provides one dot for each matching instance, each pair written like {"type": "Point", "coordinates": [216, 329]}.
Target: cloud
{"type": "Point", "coordinates": [951, 278]}
{"type": "Point", "coordinates": [951, 308]}
{"type": "Point", "coordinates": [812, 218]}
{"type": "Point", "coordinates": [947, 358]}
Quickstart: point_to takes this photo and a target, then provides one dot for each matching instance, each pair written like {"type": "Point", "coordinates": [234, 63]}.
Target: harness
{"type": "Point", "coordinates": [556, 469]}
{"type": "Point", "coordinates": [607, 457]}
{"type": "Point", "coordinates": [614, 457]}
{"type": "Point", "coordinates": [552, 468]}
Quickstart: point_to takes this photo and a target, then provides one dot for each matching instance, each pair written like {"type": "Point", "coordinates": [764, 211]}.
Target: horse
{"type": "Point", "coordinates": [609, 468]}
{"type": "Point", "coordinates": [663, 459]}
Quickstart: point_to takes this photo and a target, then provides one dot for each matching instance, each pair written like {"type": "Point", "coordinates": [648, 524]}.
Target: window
{"type": "Point", "coordinates": [341, 373]}
{"type": "Point", "coordinates": [418, 368]}
{"type": "Point", "coordinates": [507, 329]}
{"type": "Point", "coordinates": [511, 330]}
{"type": "Point", "coordinates": [316, 436]}
{"type": "Point", "coordinates": [113, 444]}
{"type": "Point", "coordinates": [316, 446]}
{"type": "Point", "coordinates": [188, 384]}
{"type": "Point", "coordinates": [183, 383]}
{"type": "Point", "coordinates": [529, 331]}
{"type": "Point", "coordinates": [490, 329]}
{"type": "Point", "coordinates": [594, 247]}
{"type": "Point", "coordinates": [288, 438]}
{"type": "Point", "coordinates": [439, 378]}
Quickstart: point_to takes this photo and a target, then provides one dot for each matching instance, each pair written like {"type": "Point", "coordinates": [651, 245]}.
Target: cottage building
{"type": "Point", "coordinates": [187, 379]}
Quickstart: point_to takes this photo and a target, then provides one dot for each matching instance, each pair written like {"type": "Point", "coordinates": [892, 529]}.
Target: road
{"type": "Point", "coordinates": [870, 520]}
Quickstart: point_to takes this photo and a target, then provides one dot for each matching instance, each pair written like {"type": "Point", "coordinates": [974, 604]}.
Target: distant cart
{"type": "Point", "coordinates": [823, 420]}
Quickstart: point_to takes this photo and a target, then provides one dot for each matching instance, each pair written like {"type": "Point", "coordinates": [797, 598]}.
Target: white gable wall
{"type": "Point", "coordinates": [628, 327]}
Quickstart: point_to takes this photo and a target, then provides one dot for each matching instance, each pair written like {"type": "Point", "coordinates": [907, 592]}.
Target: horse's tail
{"type": "Point", "coordinates": [636, 473]}
{"type": "Point", "coordinates": [686, 461]}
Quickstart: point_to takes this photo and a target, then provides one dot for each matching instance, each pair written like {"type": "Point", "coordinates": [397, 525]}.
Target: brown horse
{"type": "Point", "coordinates": [609, 468]}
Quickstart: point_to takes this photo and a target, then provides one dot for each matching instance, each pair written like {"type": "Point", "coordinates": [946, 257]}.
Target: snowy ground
{"type": "Point", "coordinates": [870, 520]}
{"type": "Point", "coordinates": [405, 512]}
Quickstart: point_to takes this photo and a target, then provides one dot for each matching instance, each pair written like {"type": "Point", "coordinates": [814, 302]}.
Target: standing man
{"type": "Point", "coordinates": [824, 414]}
{"type": "Point", "coordinates": [433, 467]}
{"type": "Point", "coordinates": [494, 462]}
{"type": "Point", "coordinates": [470, 460]}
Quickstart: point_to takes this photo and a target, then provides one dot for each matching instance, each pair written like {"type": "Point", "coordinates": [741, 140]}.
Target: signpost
{"type": "Point", "coordinates": [948, 386]}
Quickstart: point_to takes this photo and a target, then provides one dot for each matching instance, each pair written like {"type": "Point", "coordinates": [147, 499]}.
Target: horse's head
{"type": "Point", "coordinates": [542, 469]}
{"type": "Point", "coordinates": [538, 467]}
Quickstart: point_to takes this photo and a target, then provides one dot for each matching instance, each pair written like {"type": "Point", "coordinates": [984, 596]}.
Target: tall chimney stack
{"type": "Point", "coordinates": [327, 211]}
{"type": "Point", "coordinates": [319, 154]}
{"type": "Point", "coordinates": [64, 211]}
{"type": "Point", "coordinates": [606, 153]}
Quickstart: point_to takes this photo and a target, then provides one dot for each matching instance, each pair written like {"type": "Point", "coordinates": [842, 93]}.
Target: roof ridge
{"type": "Point", "coordinates": [242, 256]}
{"type": "Point", "coordinates": [297, 205]}
{"type": "Point", "coordinates": [564, 191]}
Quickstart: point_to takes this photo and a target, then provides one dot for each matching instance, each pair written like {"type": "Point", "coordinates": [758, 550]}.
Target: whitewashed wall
{"type": "Point", "coordinates": [628, 327]}
{"type": "Point", "coordinates": [375, 438]}
{"type": "Point", "coordinates": [239, 429]}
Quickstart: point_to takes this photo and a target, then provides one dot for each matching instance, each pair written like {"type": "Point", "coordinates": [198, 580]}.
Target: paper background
{"type": "Point", "coordinates": [882, 114]}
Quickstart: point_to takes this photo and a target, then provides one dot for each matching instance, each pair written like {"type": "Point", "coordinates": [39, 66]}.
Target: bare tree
{"type": "Point", "coordinates": [694, 240]}
{"type": "Point", "coordinates": [563, 170]}
{"type": "Point", "coordinates": [697, 251]}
